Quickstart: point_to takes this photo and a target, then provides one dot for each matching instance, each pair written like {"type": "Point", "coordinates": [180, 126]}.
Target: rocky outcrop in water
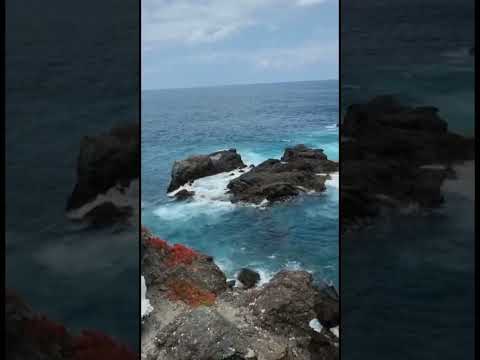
{"type": "Point", "coordinates": [198, 166]}
{"type": "Point", "coordinates": [197, 316]}
{"type": "Point", "coordinates": [106, 162]}
{"type": "Point", "coordinates": [248, 277]}
{"type": "Point", "coordinates": [394, 155]}
{"type": "Point", "coordinates": [300, 170]}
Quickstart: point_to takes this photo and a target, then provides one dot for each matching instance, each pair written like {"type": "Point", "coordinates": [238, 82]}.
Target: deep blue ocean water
{"type": "Point", "coordinates": [407, 283]}
{"type": "Point", "coordinates": [259, 121]}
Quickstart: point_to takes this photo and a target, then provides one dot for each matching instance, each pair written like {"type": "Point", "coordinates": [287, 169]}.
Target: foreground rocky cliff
{"type": "Point", "coordinates": [395, 156]}
{"type": "Point", "coordinates": [195, 314]}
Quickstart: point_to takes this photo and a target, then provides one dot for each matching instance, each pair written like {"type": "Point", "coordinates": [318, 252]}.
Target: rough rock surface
{"type": "Point", "coordinates": [264, 323]}
{"type": "Point", "coordinates": [406, 164]}
{"type": "Point", "coordinates": [301, 170]}
{"type": "Point", "coordinates": [198, 166]}
{"type": "Point", "coordinates": [105, 161]}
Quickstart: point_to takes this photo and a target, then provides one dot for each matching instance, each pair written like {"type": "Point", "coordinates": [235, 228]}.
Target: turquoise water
{"type": "Point", "coordinates": [259, 121]}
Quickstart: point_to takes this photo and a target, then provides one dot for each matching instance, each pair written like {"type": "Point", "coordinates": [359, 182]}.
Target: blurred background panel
{"type": "Point", "coordinates": [407, 179]}
{"type": "Point", "coordinates": [72, 250]}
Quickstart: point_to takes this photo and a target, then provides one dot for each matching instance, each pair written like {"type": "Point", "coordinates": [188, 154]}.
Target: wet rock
{"type": "Point", "coordinates": [249, 278]}
{"type": "Point", "coordinates": [196, 167]}
{"type": "Point", "coordinates": [326, 307]}
{"type": "Point", "coordinates": [105, 161]}
{"type": "Point", "coordinates": [184, 195]}
{"type": "Point", "coordinates": [275, 180]}
{"type": "Point", "coordinates": [107, 214]}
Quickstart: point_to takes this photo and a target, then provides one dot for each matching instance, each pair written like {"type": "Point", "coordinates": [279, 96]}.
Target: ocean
{"type": "Point", "coordinates": [260, 121]}
{"type": "Point", "coordinates": [407, 282]}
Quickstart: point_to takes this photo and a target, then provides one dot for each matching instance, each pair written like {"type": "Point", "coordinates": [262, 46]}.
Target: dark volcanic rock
{"type": "Point", "coordinates": [249, 278]}
{"type": "Point", "coordinates": [196, 167]}
{"type": "Point", "coordinates": [184, 194]}
{"type": "Point", "coordinates": [394, 155]}
{"type": "Point", "coordinates": [314, 157]}
{"type": "Point", "coordinates": [327, 307]}
{"type": "Point", "coordinates": [105, 161]}
{"type": "Point", "coordinates": [301, 170]}
{"type": "Point", "coordinates": [108, 213]}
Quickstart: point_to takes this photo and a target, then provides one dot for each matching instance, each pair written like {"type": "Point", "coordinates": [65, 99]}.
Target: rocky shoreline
{"type": "Point", "coordinates": [195, 314]}
{"type": "Point", "coordinates": [394, 156]}
{"type": "Point", "coordinates": [300, 170]}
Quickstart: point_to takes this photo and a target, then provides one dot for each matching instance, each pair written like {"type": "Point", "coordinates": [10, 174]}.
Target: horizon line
{"type": "Point", "coordinates": [234, 84]}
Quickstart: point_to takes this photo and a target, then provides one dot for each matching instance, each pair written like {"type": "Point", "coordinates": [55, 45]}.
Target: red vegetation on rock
{"type": "Point", "coordinates": [158, 243]}
{"type": "Point", "coordinates": [93, 345]}
{"type": "Point", "coordinates": [180, 254]}
{"type": "Point", "coordinates": [45, 333]}
{"type": "Point", "coordinates": [177, 254]}
{"type": "Point", "coordinates": [190, 294]}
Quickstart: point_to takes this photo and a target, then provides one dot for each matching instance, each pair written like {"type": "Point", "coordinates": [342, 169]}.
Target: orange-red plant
{"type": "Point", "coordinates": [180, 254]}
{"type": "Point", "coordinates": [93, 345]}
{"type": "Point", "coordinates": [45, 332]}
{"type": "Point", "coordinates": [189, 294]}
{"type": "Point", "coordinates": [158, 243]}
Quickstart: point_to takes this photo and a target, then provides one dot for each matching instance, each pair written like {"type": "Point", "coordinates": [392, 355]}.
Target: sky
{"type": "Point", "coordinates": [191, 43]}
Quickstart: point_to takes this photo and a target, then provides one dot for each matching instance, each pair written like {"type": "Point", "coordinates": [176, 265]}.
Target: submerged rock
{"type": "Point", "coordinates": [249, 278]}
{"type": "Point", "coordinates": [196, 167]}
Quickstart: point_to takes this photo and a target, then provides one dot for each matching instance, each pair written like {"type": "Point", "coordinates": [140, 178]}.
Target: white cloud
{"type": "Point", "coordinates": [309, 2]}
{"type": "Point", "coordinates": [204, 21]}
{"type": "Point", "coordinates": [288, 58]}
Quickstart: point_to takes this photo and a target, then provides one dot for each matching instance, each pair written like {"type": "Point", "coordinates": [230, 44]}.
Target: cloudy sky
{"type": "Point", "coordinates": [188, 43]}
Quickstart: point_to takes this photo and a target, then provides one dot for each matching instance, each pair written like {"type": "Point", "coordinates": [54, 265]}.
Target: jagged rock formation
{"type": "Point", "coordinates": [395, 155]}
{"type": "Point", "coordinates": [106, 163]}
{"type": "Point", "coordinates": [300, 170]}
{"type": "Point", "coordinates": [198, 166]}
